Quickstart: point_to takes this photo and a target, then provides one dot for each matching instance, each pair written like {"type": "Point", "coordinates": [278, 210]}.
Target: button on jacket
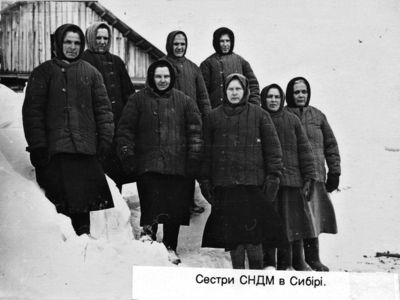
{"type": "Point", "coordinates": [66, 108]}
{"type": "Point", "coordinates": [217, 67]}
{"type": "Point", "coordinates": [241, 144]}
{"type": "Point", "coordinates": [161, 132]}
{"type": "Point", "coordinates": [298, 159]}
{"type": "Point", "coordinates": [189, 78]}
{"type": "Point", "coordinates": [319, 133]}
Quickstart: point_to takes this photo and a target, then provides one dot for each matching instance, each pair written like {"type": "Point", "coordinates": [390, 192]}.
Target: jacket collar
{"type": "Point", "coordinates": [64, 64]}
{"type": "Point", "coordinates": [232, 110]}
{"type": "Point", "coordinates": [154, 94]}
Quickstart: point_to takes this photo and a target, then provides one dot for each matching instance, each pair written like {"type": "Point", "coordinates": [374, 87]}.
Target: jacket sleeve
{"type": "Point", "coordinates": [193, 131]}
{"type": "Point", "coordinates": [126, 128]}
{"type": "Point", "coordinates": [272, 150]}
{"type": "Point", "coordinates": [331, 149]}
{"type": "Point", "coordinates": [206, 72]}
{"type": "Point", "coordinates": [205, 171]}
{"type": "Point", "coordinates": [34, 109]}
{"type": "Point", "coordinates": [126, 82]}
{"type": "Point", "coordinates": [253, 83]}
{"type": "Point", "coordinates": [102, 109]}
{"type": "Point", "coordinates": [203, 102]}
{"type": "Point", "coordinates": [306, 157]}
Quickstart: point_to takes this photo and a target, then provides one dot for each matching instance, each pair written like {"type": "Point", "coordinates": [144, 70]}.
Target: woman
{"type": "Point", "coordinates": [68, 124]}
{"type": "Point", "coordinates": [298, 173]}
{"type": "Point", "coordinates": [325, 149]}
{"type": "Point", "coordinates": [159, 140]}
{"type": "Point", "coordinates": [223, 62]}
{"type": "Point", "coordinates": [118, 84]}
{"type": "Point", "coordinates": [242, 154]}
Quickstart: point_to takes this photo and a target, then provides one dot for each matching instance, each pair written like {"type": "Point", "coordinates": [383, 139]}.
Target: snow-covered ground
{"type": "Point", "coordinates": [40, 255]}
{"type": "Point", "coordinates": [349, 52]}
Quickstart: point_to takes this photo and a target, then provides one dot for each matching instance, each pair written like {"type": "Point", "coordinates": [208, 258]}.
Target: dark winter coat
{"type": "Point", "coordinates": [319, 133]}
{"type": "Point", "coordinates": [189, 79]}
{"type": "Point", "coordinates": [241, 143]}
{"type": "Point", "coordinates": [116, 78]}
{"type": "Point", "coordinates": [218, 66]}
{"type": "Point", "coordinates": [66, 108]}
{"type": "Point", "coordinates": [162, 132]}
{"type": "Point", "coordinates": [298, 159]}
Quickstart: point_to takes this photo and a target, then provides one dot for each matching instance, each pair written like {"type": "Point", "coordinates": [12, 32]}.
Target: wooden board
{"type": "Point", "coordinates": [26, 30]}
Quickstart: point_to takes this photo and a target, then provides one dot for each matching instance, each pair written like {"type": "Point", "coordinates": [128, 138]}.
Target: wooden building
{"type": "Point", "coordinates": [26, 26]}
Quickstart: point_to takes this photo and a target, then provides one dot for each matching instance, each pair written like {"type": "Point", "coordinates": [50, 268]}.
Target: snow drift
{"type": "Point", "coordinates": [41, 256]}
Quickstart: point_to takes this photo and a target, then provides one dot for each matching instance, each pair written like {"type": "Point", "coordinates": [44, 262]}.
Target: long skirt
{"type": "Point", "coordinates": [296, 214]}
{"type": "Point", "coordinates": [242, 215]}
{"type": "Point", "coordinates": [322, 209]}
{"type": "Point", "coordinates": [75, 183]}
{"type": "Point", "coordinates": [164, 198]}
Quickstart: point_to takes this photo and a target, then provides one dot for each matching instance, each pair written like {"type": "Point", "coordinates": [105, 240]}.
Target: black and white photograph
{"type": "Point", "coordinates": [246, 136]}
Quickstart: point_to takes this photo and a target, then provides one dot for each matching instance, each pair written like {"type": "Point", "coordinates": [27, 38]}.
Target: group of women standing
{"type": "Point", "coordinates": [259, 164]}
{"type": "Point", "coordinates": [264, 174]}
{"type": "Point", "coordinates": [262, 168]}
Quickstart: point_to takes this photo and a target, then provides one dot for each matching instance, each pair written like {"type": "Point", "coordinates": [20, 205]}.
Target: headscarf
{"type": "Point", "coordinates": [217, 35]}
{"type": "Point", "coordinates": [91, 33]}
{"type": "Point", "coordinates": [59, 36]}
{"type": "Point", "coordinates": [150, 76]}
{"type": "Point", "coordinates": [170, 42]}
{"type": "Point", "coordinates": [289, 91]}
{"type": "Point", "coordinates": [245, 85]}
{"type": "Point", "coordinates": [264, 94]}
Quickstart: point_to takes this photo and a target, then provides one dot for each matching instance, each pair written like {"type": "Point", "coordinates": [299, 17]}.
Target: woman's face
{"type": "Point", "coordinates": [162, 78]}
{"type": "Point", "coordinates": [300, 94]}
{"type": "Point", "coordinates": [273, 99]}
{"type": "Point", "coordinates": [71, 45]}
{"type": "Point", "coordinates": [225, 43]}
{"type": "Point", "coordinates": [234, 91]}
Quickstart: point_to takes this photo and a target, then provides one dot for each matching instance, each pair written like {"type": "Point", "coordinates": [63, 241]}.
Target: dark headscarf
{"type": "Point", "coordinates": [264, 94]}
{"type": "Point", "coordinates": [91, 33]}
{"type": "Point", "coordinates": [289, 91]}
{"type": "Point", "coordinates": [59, 36]}
{"type": "Point", "coordinates": [245, 84]}
{"type": "Point", "coordinates": [217, 35]}
{"type": "Point", "coordinates": [150, 76]}
{"type": "Point", "coordinates": [170, 42]}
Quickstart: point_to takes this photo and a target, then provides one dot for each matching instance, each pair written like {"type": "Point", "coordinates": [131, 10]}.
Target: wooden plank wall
{"type": "Point", "coordinates": [26, 30]}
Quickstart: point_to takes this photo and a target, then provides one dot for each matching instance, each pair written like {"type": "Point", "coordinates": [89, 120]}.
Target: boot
{"type": "Point", "coordinates": [299, 263]}
{"type": "Point", "coordinates": [255, 256]}
{"type": "Point", "coordinates": [173, 256]}
{"type": "Point", "coordinates": [269, 257]}
{"type": "Point", "coordinates": [81, 223]}
{"type": "Point", "coordinates": [285, 258]}
{"type": "Point", "coordinates": [149, 233]}
{"type": "Point", "coordinates": [238, 257]}
{"type": "Point", "coordinates": [311, 249]}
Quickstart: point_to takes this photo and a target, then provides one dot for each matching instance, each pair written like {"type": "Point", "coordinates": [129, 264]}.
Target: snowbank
{"type": "Point", "coordinates": [40, 255]}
